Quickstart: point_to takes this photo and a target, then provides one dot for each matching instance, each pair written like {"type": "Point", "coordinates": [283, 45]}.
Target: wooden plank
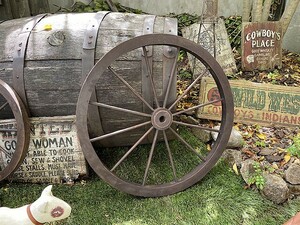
{"type": "Point", "coordinates": [54, 154]}
{"type": "Point", "coordinates": [261, 45]}
{"type": "Point", "coordinates": [255, 103]}
{"type": "Point", "coordinates": [39, 7]}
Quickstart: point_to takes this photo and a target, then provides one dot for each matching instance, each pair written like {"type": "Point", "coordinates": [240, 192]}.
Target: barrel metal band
{"type": "Point", "coordinates": [169, 58]}
{"type": "Point", "coordinates": [89, 43]}
{"type": "Point", "coordinates": [19, 58]}
{"type": "Point", "coordinates": [88, 61]}
{"type": "Point", "coordinates": [148, 28]}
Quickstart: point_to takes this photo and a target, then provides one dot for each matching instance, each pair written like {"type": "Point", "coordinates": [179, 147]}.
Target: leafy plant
{"type": "Point", "coordinates": [260, 144]}
{"type": "Point", "coordinates": [233, 26]}
{"type": "Point", "coordinates": [184, 20]}
{"type": "Point", "coordinates": [257, 178]}
{"type": "Point", "coordinates": [294, 149]}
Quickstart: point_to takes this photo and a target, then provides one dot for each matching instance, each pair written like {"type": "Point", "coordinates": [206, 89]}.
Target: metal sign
{"type": "Point", "coordinates": [261, 45]}
{"type": "Point", "coordinates": [255, 103]}
{"type": "Point", "coordinates": [54, 154]}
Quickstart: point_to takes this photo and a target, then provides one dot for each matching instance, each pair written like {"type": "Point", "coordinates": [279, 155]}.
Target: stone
{"type": "Point", "coordinates": [232, 157]}
{"type": "Point", "coordinates": [274, 158]}
{"type": "Point", "coordinates": [235, 141]}
{"type": "Point", "coordinates": [275, 188]}
{"type": "Point", "coordinates": [202, 135]}
{"type": "Point", "coordinates": [292, 174]}
{"type": "Point", "coordinates": [267, 151]}
{"type": "Point", "coordinates": [247, 170]}
{"type": "Point", "coordinates": [294, 189]}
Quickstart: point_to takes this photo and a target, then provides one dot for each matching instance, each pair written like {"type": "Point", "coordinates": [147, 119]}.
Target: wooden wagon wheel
{"type": "Point", "coordinates": [11, 104]}
{"type": "Point", "coordinates": [177, 162]}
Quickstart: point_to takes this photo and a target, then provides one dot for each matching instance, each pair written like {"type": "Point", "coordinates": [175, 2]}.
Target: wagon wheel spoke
{"type": "Point", "coordinates": [150, 157]}
{"type": "Point", "coordinates": [119, 131]}
{"type": "Point", "coordinates": [187, 144]}
{"type": "Point", "coordinates": [3, 106]}
{"type": "Point", "coordinates": [196, 107]}
{"type": "Point", "coordinates": [170, 156]}
{"type": "Point", "coordinates": [130, 88]}
{"type": "Point", "coordinates": [150, 74]}
{"type": "Point", "coordinates": [120, 109]}
{"type": "Point", "coordinates": [188, 89]}
{"type": "Point", "coordinates": [196, 126]}
{"type": "Point", "coordinates": [174, 66]}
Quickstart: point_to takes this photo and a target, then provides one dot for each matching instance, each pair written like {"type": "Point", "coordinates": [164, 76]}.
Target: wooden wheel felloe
{"type": "Point", "coordinates": [12, 107]}
{"type": "Point", "coordinates": [174, 160]}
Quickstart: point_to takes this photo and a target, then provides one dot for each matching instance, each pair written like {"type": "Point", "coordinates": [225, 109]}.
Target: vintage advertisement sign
{"type": "Point", "coordinates": [213, 38]}
{"type": "Point", "coordinates": [54, 154]}
{"type": "Point", "coordinates": [261, 45]}
{"type": "Point", "coordinates": [255, 103]}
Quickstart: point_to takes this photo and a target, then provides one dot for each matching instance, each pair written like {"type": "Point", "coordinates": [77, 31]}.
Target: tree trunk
{"type": "Point", "coordinates": [266, 10]}
{"type": "Point", "coordinates": [246, 10]}
{"type": "Point", "coordinates": [257, 10]}
{"type": "Point", "coordinates": [288, 14]}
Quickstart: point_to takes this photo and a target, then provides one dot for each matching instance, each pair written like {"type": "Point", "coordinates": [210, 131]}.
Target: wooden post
{"type": "Point", "coordinates": [39, 6]}
{"type": "Point", "coordinates": [20, 8]}
{"type": "Point", "coordinates": [112, 6]}
{"type": "Point", "coordinates": [5, 10]}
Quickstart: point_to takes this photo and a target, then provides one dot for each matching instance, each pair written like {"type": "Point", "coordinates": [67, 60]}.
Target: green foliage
{"type": "Point", "coordinates": [217, 199]}
{"type": "Point", "coordinates": [233, 25]}
{"type": "Point", "coordinates": [257, 178]}
{"type": "Point", "coordinates": [184, 20]}
{"type": "Point", "coordinates": [100, 5]}
{"type": "Point", "coordinates": [294, 149]}
{"type": "Point", "coordinates": [260, 144]}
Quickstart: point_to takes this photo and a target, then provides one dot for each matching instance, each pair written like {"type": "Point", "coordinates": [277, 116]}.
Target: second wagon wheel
{"type": "Point", "coordinates": [174, 159]}
{"type": "Point", "coordinates": [14, 131]}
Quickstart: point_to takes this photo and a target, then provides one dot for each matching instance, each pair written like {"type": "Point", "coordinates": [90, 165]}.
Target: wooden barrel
{"type": "Point", "coordinates": [46, 58]}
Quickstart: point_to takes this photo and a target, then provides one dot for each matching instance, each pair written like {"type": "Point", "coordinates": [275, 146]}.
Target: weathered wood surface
{"type": "Point", "coordinates": [54, 153]}
{"type": "Point", "coordinates": [255, 103]}
{"type": "Point", "coordinates": [261, 45]}
{"type": "Point", "coordinates": [214, 39]}
{"type": "Point", "coordinates": [53, 63]}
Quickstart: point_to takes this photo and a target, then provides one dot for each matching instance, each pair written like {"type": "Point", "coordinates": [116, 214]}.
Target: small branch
{"type": "Point", "coordinates": [266, 10]}
{"type": "Point", "coordinates": [112, 6]}
{"type": "Point", "coordinates": [246, 10]}
{"type": "Point", "coordinates": [288, 15]}
{"type": "Point", "coordinates": [257, 10]}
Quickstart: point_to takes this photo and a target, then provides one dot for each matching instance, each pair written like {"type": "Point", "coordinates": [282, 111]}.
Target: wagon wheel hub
{"type": "Point", "coordinates": [161, 119]}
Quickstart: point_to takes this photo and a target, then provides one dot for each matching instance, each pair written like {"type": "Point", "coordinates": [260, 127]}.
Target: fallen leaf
{"type": "Point", "coordinates": [248, 152]}
{"type": "Point", "coordinates": [208, 147]}
{"type": "Point", "coordinates": [235, 169]}
{"type": "Point", "coordinates": [261, 136]}
{"type": "Point", "coordinates": [287, 158]}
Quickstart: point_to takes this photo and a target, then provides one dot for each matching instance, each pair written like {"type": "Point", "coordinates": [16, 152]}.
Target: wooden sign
{"type": "Point", "coordinates": [261, 45]}
{"type": "Point", "coordinates": [214, 39]}
{"type": "Point", "coordinates": [255, 103]}
{"type": "Point", "coordinates": [54, 154]}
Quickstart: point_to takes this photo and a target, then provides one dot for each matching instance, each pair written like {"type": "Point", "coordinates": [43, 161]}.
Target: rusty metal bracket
{"type": "Point", "coordinates": [19, 58]}
{"type": "Point", "coordinates": [169, 58]}
{"type": "Point", "coordinates": [88, 61]}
